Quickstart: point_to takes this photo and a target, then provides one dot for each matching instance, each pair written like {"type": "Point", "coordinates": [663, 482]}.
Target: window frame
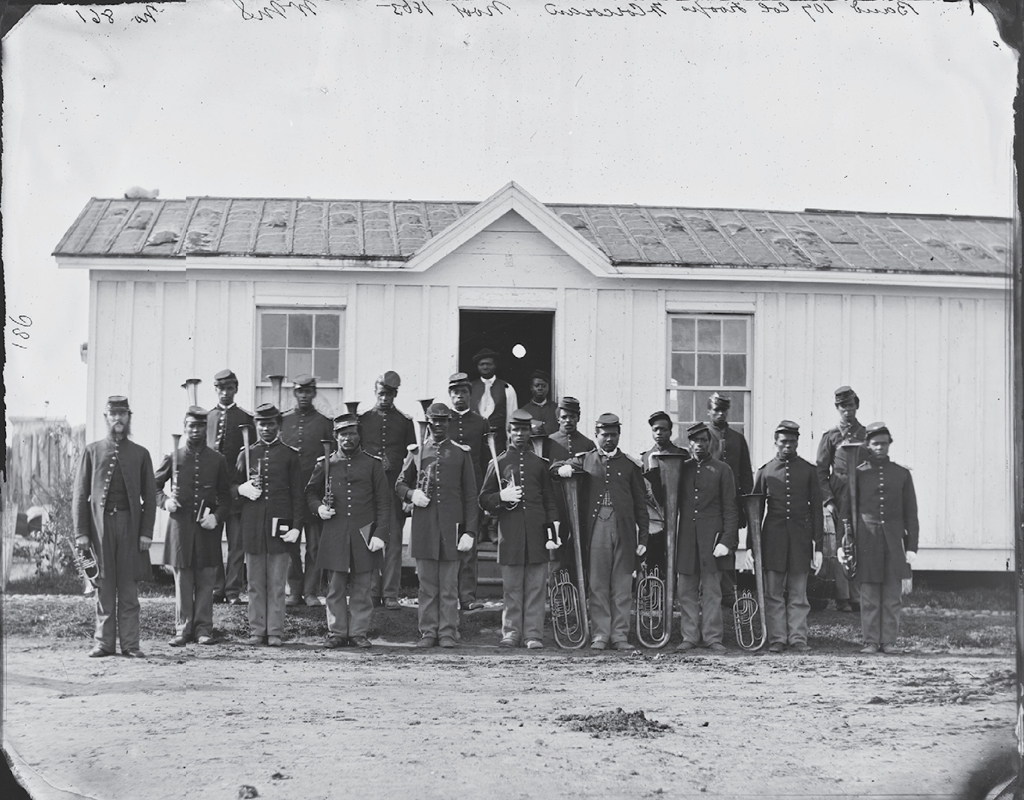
{"type": "Point", "coordinates": [277, 308]}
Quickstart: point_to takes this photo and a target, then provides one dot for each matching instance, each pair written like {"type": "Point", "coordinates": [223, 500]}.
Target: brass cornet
{"type": "Point", "coordinates": [276, 386]}
{"type": "Point", "coordinates": [328, 494]}
{"type": "Point", "coordinates": [254, 476]}
{"type": "Point", "coordinates": [87, 566]}
{"type": "Point", "coordinates": [191, 387]}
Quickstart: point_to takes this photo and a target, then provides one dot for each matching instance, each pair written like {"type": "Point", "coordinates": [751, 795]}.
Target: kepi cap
{"type": "Point", "coordinates": [608, 421]}
{"type": "Point", "coordinates": [459, 379]}
{"type": "Point", "coordinates": [345, 421]}
{"type": "Point", "coordinates": [696, 430]}
{"type": "Point", "coordinates": [117, 401]}
{"type": "Point", "coordinates": [521, 419]}
{"type": "Point", "coordinates": [389, 380]}
{"type": "Point", "coordinates": [303, 381]}
{"type": "Point", "coordinates": [197, 413]}
{"type": "Point", "coordinates": [439, 411]}
{"type": "Point", "coordinates": [225, 376]}
{"type": "Point", "coordinates": [844, 393]}
{"type": "Point", "coordinates": [719, 401]}
{"type": "Point", "coordinates": [266, 411]}
{"type": "Point", "coordinates": [787, 426]}
{"type": "Point", "coordinates": [485, 353]}
{"type": "Point", "coordinates": [570, 404]}
{"type": "Point", "coordinates": [659, 415]}
{"type": "Point", "coordinates": [539, 373]}
{"type": "Point", "coordinates": [876, 429]}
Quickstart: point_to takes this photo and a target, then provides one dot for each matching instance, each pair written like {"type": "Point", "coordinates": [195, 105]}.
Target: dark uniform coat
{"type": "Point", "coordinates": [224, 435]}
{"type": "Point", "coordinates": [361, 497]}
{"type": "Point", "coordinates": [92, 481]}
{"type": "Point", "coordinates": [282, 495]}
{"type": "Point", "coordinates": [305, 432]}
{"type": "Point", "coordinates": [451, 487]}
{"type": "Point", "coordinates": [387, 434]}
{"type": "Point", "coordinates": [522, 531]}
{"type": "Point", "coordinates": [652, 472]}
{"type": "Point", "coordinates": [565, 445]}
{"type": "Point", "coordinates": [793, 519]}
{"type": "Point", "coordinates": [887, 524]}
{"type": "Point", "coordinates": [202, 482]}
{"type": "Point", "coordinates": [547, 413]}
{"type": "Point", "coordinates": [833, 462]}
{"type": "Point", "coordinates": [730, 446]}
{"type": "Point", "coordinates": [707, 511]}
{"type": "Point", "coordinates": [470, 429]}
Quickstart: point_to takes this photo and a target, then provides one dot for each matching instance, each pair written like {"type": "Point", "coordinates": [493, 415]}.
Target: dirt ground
{"type": "Point", "coordinates": [304, 722]}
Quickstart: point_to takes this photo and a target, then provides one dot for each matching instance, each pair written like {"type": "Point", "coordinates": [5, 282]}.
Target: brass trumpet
{"type": "Point", "coordinates": [749, 618]}
{"type": "Point", "coordinates": [655, 595]}
{"type": "Point", "coordinates": [191, 387]}
{"type": "Point", "coordinates": [569, 620]}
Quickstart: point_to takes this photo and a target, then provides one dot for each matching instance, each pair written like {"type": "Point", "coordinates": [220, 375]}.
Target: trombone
{"type": "Point", "coordinates": [749, 617]}
{"type": "Point", "coordinates": [569, 601]}
{"type": "Point", "coordinates": [655, 592]}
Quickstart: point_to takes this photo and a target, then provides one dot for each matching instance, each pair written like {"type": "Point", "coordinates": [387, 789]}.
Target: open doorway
{"type": "Point", "coordinates": [522, 340]}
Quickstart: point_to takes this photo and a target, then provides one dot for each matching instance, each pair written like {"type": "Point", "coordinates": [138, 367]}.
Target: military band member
{"type": "Point", "coordinates": [114, 512]}
{"type": "Point", "coordinates": [271, 517]}
{"type": "Point", "coordinates": [493, 398]}
{"type": "Point", "coordinates": [468, 428]}
{"type": "Point", "coordinates": [199, 500]}
{"type": "Point", "coordinates": [707, 538]}
{"type": "Point", "coordinates": [833, 478]}
{"type": "Point", "coordinates": [387, 433]}
{"type": "Point", "coordinates": [523, 501]}
{"type": "Point", "coordinates": [791, 538]}
{"type": "Point", "coordinates": [224, 435]}
{"type": "Point", "coordinates": [616, 530]}
{"type": "Point", "coordinates": [355, 526]}
{"type": "Point", "coordinates": [540, 406]}
{"type": "Point", "coordinates": [661, 432]}
{"type": "Point", "coordinates": [567, 441]}
{"type": "Point", "coordinates": [440, 485]}
{"type": "Point", "coordinates": [886, 534]}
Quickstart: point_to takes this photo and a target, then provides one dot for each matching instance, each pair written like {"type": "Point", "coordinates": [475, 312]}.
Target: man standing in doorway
{"type": "Point", "coordinates": [540, 406]}
{"type": "Point", "coordinates": [493, 398]}
{"type": "Point", "coordinates": [114, 512]}
{"type": "Point", "coordinates": [387, 433]}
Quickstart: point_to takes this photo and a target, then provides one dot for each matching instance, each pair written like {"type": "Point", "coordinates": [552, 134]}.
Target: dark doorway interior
{"type": "Point", "coordinates": [501, 331]}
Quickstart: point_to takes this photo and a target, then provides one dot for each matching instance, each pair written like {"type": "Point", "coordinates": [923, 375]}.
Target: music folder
{"type": "Point", "coordinates": [366, 531]}
{"type": "Point", "coordinates": [202, 511]}
{"type": "Point", "coordinates": [279, 526]}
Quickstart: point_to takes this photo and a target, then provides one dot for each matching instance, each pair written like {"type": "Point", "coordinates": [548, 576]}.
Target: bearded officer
{"type": "Point", "coordinates": [791, 538]}
{"type": "Point", "coordinates": [114, 513]}
{"type": "Point", "coordinates": [199, 500]}
{"type": "Point", "coordinates": [387, 433]}
{"type": "Point", "coordinates": [356, 524]}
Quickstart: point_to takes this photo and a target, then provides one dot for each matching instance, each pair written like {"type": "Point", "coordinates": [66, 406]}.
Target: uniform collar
{"type": "Point", "coordinates": [226, 408]}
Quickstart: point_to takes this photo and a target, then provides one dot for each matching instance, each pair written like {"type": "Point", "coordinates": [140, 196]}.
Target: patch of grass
{"type": "Point", "coordinates": [966, 591]}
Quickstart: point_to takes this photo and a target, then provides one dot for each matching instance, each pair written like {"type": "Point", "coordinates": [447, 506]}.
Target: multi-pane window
{"type": "Point", "coordinates": [301, 341]}
{"type": "Point", "coordinates": [709, 353]}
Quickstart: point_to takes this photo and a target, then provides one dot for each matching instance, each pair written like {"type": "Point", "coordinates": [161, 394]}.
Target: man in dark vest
{"type": "Point", "coordinates": [224, 435]}
{"type": "Point", "coordinates": [114, 512]}
{"type": "Point", "coordinates": [540, 406]}
{"type": "Point", "coordinates": [491, 397]}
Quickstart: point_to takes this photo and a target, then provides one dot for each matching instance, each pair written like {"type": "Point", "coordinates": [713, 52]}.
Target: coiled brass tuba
{"type": "Point", "coordinates": [568, 601]}
{"type": "Point", "coordinates": [748, 613]}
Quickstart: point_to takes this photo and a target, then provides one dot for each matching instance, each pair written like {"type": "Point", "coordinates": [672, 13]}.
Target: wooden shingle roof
{"type": "Point", "coordinates": [632, 236]}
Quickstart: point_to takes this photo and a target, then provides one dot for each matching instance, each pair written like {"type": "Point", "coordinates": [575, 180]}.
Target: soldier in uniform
{"type": "Point", "coordinates": [540, 406]}
{"type": "Point", "coordinates": [524, 503]}
{"type": "Point", "coordinates": [567, 441]}
{"type": "Point", "coordinates": [114, 512]}
{"type": "Point", "coordinates": [304, 428]}
{"type": "Point", "coordinates": [224, 435]}
{"type": "Point", "coordinates": [387, 433]}
{"type": "Point", "coordinates": [492, 398]}
{"type": "Point", "coordinates": [468, 428]}
{"type": "Point", "coordinates": [833, 478]}
{"type": "Point", "coordinates": [199, 500]}
{"type": "Point", "coordinates": [616, 530]}
{"type": "Point", "coordinates": [661, 432]}
{"type": "Point", "coordinates": [791, 538]}
{"type": "Point", "coordinates": [708, 536]}
{"type": "Point", "coordinates": [886, 534]}
{"type": "Point", "coordinates": [356, 524]}
{"type": "Point", "coordinates": [730, 446]}
{"type": "Point", "coordinates": [439, 482]}
{"type": "Point", "coordinates": [271, 517]}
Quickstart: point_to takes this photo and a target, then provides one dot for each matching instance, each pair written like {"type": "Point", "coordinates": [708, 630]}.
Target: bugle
{"type": "Point", "coordinates": [497, 470]}
{"type": "Point", "coordinates": [749, 616]}
{"type": "Point", "coordinates": [174, 465]}
{"type": "Point", "coordinates": [328, 494]}
{"type": "Point", "coordinates": [191, 387]}
{"type": "Point", "coordinates": [848, 541]}
{"type": "Point", "coordinates": [568, 601]}
{"type": "Point", "coordinates": [655, 590]}
{"type": "Point", "coordinates": [277, 385]}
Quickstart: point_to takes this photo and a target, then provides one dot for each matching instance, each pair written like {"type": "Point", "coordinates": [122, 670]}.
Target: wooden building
{"type": "Point", "coordinates": [631, 308]}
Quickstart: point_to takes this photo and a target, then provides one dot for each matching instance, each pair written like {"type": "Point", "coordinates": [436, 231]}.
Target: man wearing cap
{"type": "Point", "coordinates": [197, 498]}
{"type": "Point", "coordinates": [834, 465]}
{"type": "Point", "coordinates": [708, 536]}
{"type": "Point", "coordinates": [540, 406]}
{"type": "Point", "coordinates": [356, 524]}
{"type": "Point", "coordinates": [730, 446]}
{"type": "Point", "coordinates": [439, 483]}
{"type": "Point", "coordinates": [114, 512]}
{"type": "Point", "coordinates": [886, 531]}
{"type": "Point", "coordinates": [661, 432]}
{"type": "Point", "coordinates": [387, 433]}
{"type": "Point", "coordinates": [520, 494]}
{"type": "Point", "coordinates": [270, 480]}
{"type": "Point", "coordinates": [224, 435]}
{"type": "Point", "coordinates": [468, 428]}
{"type": "Point", "coordinates": [616, 530]}
{"type": "Point", "coordinates": [492, 398]}
{"type": "Point", "coordinates": [567, 441]}
{"type": "Point", "coordinates": [305, 429]}
{"type": "Point", "coordinates": [791, 538]}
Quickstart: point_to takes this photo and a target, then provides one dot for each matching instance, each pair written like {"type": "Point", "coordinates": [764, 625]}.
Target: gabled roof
{"type": "Point", "coordinates": [420, 232]}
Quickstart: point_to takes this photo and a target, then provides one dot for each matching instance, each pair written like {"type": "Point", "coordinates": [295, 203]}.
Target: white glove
{"type": "Point", "coordinates": [171, 505]}
{"type": "Point", "coordinates": [375, 545]}
{"type": "Point", "coordinates": [325, 512]}
{"type": "Point", "coordinates": [565, 471]}
{"type": "Point", "coordinates": [840, 555]}
{"type": "Point", "coordinates": [420, 499]}
{"type": "Point", "coordinates": [82, 542]}
{"type": "Point", "coordinates": [248, 490]}
{"type": "Point", "coordinates": [208, 522]}
{"type": "Point", "coordinates": [746, 560]}
{"type": "Point", "coordinates": [555, 543]}
{"type": "Point", "coordinates": [465, 543]}
{"type": "Point", "coordinates": [291, 537]}
{"type": "Point", "coordinates": [911, 555]}
{"type": "Point", "coordinates": [816, 561]}
{"type": "Point", "coordinates": [144, 543]}
{"type": "Point", "coordinates": [511, 494]}
{"type": "Point", "coordinates": [641, 549]}
{"type": "Point", "coordinates": [720, 550]}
